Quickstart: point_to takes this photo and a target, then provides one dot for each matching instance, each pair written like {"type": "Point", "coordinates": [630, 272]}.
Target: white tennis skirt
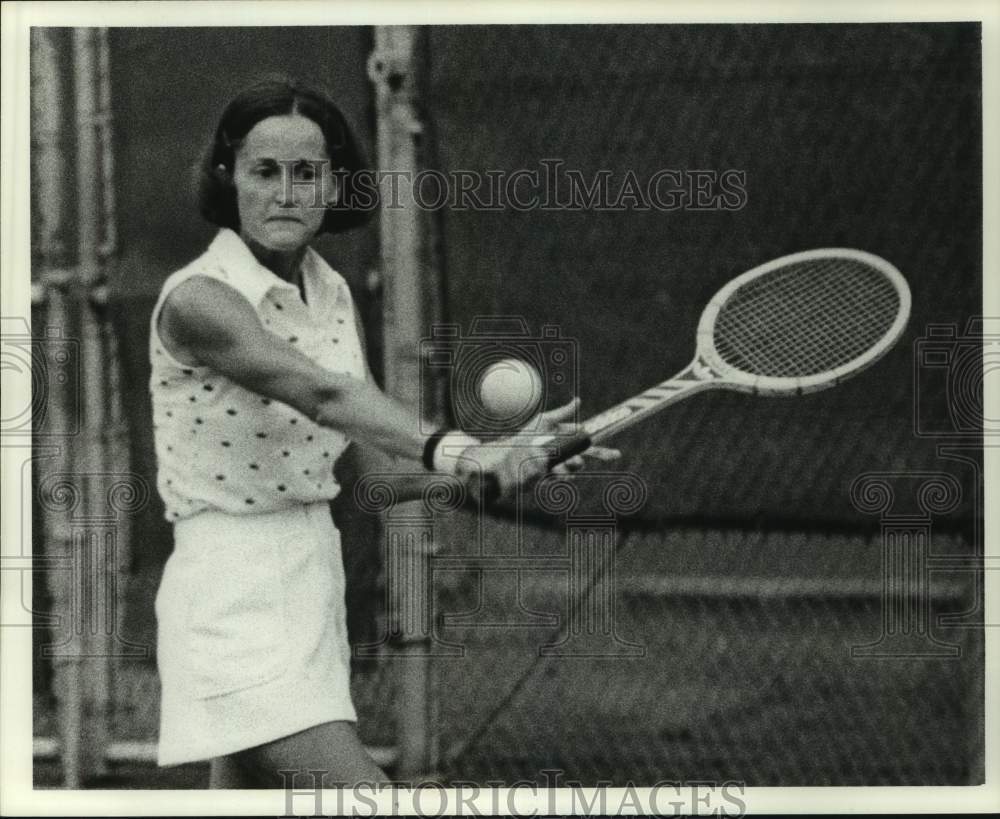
{"type": "Point", "coordinates": [252, 632]}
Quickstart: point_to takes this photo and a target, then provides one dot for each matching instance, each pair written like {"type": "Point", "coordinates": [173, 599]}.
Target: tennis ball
{"type": "Point", "coordinates": [510, 388]}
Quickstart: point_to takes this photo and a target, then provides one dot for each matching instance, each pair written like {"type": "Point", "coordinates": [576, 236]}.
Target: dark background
{"type": "Point", "coordinates": [862, 136]}
{"type": "Point", "coordinates": [850, 136]}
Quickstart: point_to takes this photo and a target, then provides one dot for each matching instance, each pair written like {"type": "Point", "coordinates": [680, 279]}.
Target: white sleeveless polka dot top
{"type": "Point", "coordinates": [220, 446]}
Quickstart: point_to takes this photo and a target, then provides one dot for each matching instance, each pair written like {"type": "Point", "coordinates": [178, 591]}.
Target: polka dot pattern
{"type": "Point", "coordinates": [222, 446]}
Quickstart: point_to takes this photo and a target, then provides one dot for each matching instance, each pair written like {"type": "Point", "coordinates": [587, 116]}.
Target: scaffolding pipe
{"type": "Point", "coordinates": [50, 175]}
{"type": "Point", "coordinates": [117, 432]}
{"type": "Point", "coordinates": [406, 276]}
{"type": "Point", "coordinates": [95, 542]}
{"type": "Point", "coordinates": [104, 121]}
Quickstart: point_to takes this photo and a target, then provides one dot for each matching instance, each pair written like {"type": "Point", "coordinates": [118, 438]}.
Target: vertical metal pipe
{"type": "Point", "coordinates": [88, 171]}
{"type": "Point", "coordinates": [94, 565]}
{"type": "Point", "coordinates": [104, 121]}
{"type": "Point", "coordinates": [398, 130]}
{"type": "Point", "coordinates": [117, 431]}
{"type": "Point", "coordinates": [393, 70]}
{"type": "Point", "coordinates": [50, 175]}
{"type": "Point", "coordinates": [50, 165]}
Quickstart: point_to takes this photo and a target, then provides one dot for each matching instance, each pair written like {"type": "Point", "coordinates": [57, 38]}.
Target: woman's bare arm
{"type": "Point", "coordinates": [407, 477]}
{"type": "Point", "coordinates": [206, 322]}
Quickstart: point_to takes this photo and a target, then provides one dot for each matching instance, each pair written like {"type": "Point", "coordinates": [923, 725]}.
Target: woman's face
{"type": "Point", "coordinates": [283, 182]}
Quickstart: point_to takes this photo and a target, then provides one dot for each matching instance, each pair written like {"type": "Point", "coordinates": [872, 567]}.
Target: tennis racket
{"type": "Point", "coordinates": [797, 324]}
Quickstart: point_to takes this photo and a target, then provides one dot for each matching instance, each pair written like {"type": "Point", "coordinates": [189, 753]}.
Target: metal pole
{"type": "Point", "coordinates": [113, 438]}
{"type": "Point", "coordinates": [93, 542]}
{"type": "Point", "coordinates": [116, 431]}
{"type": "Point", "coordinates": [103, 121]}
{"type": "Point", "coordinates": [398, 130]}
{"type": "Point", "coordinates": [50, 172]}
{"type": "Point", "coordinates": [98, 543]}
{"type": "Point", "coordinates": [408, 308]}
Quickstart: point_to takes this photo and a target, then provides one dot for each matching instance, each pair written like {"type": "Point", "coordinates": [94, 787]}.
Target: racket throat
{"type": "Point", "coordinates": [693, 378]}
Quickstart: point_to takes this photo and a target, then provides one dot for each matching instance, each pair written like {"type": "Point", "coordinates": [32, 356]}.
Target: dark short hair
{"type": "Point", "coordinates": [277, 96]}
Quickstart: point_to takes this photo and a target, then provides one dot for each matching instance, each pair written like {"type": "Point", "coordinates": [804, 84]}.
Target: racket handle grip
{"type": "Point", "coordinates": [569, 447]}
{"type": "Point", "coordinates": [489, 492]}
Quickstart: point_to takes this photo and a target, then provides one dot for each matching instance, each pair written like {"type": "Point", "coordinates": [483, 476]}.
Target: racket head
{"type": "Point", "coordinates": [803, 322]}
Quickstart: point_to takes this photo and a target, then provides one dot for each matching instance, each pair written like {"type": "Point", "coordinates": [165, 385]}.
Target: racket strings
{"type": "Point", "coordinates": [805, 318]}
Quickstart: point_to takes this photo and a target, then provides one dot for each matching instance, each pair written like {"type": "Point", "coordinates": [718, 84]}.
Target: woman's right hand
{"type": "Point", "coordinates": [500, 468]}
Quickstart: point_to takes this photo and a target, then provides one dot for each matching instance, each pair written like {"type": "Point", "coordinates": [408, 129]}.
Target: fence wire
{"type": "Point", "coordinates": [750, 572]}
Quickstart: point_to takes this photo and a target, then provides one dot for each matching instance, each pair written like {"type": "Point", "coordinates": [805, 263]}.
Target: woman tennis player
{"type": "Point", "coordinates": [259, 383]}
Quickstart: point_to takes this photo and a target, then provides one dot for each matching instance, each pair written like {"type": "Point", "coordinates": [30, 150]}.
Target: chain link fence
{"type": "Point", "coordinates": [728, 675]}
{"type": "Point", "coordinates": [750, 573]}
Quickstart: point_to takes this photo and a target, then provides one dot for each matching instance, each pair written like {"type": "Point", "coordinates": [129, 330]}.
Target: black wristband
{"type": "Point", "coordinates": [430, 445]}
